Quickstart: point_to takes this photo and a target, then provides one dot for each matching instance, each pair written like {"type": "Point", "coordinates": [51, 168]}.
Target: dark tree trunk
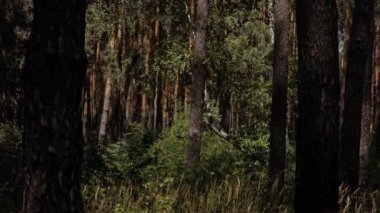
{"type": "Point", "coordinates": [54, 74]}
{"type": "Point", "coordinates": [316, 186]}
{"type": "Point", "coordinates": [224, 99]}
{"type": "Point", "coordinates": [358, 61]}
{"type": "Point", "coordinates": [365, 129]}
{"type": "Point", "coordinates": [343, 60]}
{"type": "Point", "coordinates": [198, 84]}
{"type": "Point", "coordinates": [375, 145]}
{"type": "Point", "coordinates": [280, 88]}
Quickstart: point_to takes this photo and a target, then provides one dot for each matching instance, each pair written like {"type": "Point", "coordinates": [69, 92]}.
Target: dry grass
{"type": "Point", "coordinates": [358, 201]}
{"type": "Point", "coordinates": [232, 195]}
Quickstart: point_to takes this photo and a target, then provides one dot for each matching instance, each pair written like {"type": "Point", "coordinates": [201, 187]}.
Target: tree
{"type": "Point", "coordinates": [316, 184]}
{"type": "Point", "coordinates": [343, 59]}
{"type": "Point", "coordinates": [53, 77]}
{"type": "Point", "coordinates": [368, 8]}
{"type": "Point", "coordinates": [198, 83]}
{"type": "Point", "coordinates": [106, 110]}
{"type": "Point", "coordinates": [359, 61]}
{"type": "Point", "coordinates": [280, 87]}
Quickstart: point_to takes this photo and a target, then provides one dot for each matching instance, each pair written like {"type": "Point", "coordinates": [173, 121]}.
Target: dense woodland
{"type": "Point", "coordinates": [189, 106]}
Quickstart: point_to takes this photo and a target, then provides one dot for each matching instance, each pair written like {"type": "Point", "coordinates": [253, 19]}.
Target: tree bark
{"type": "Point", "coordinates": [375, 145]}
{"type": "Point", "coordinates": [106, 110]}
{"type": "Point", "coordinates": [53, 79]}
{"type": "Point", "coordinates": [343, 59]}
{"type": "Point", "coordinates": [198, 84]}
{"type": "Point", "coordinates": [191, 45]}
{"type": "Point", "coordinates": [151, 48]}
{"type": "Point", "coordinates": [128, 111]}
{"type": "Point", "coordinates": [368, 9]}
{"type": "Point", "coordinates": [359, 55]}
{"type": "Point", "coordinates": [316, 186]}
{"type": "Point", "coordinates": [279, 97]}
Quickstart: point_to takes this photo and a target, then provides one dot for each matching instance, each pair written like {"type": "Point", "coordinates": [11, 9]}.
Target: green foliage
{"type": "Point", "coordinates": [138, 159]}
{"type": "Point", "coordinates": [174, 55]}
{"type": "Point", "coordinates": [242, 59]}
{"type": "Point", "coordinates": [115, 162]}
{"type": "Point", "coordinates": [219, 159]}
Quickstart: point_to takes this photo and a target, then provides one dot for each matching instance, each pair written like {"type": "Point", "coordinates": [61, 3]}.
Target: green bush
{"type": "Point", "coordinates": [117, 161]}
{"type": "Point", "coordinates": [219, 159]}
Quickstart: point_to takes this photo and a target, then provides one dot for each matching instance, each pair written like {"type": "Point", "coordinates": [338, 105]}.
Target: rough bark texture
{"type": "Point", "coordinates": [316, 186]}
{"type": "Point", "coordinates": [280, 88]}
{"type": "Point", "coordinates": [359, 54]}
{"type": "Point", "coordinates": [198, 84]}
{"type": "Point", "coordinates": [53, 78]}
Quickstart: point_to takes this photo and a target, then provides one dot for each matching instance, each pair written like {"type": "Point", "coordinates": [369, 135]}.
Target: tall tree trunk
{"type": "Point", "coordinates": [368, 8]}
{"type": "Point", "coordinates": [343, 60]}
{"type": "Point", "coordinates": [358, 59]}
{"type": "Point", "coordinates": [176, 95]}
{"type": "Point", "coordinates": [128, 111]}
{"type": "Point", "coordinates": [280, 87]}
{"type": "Point", "coordinates": [198, 84]}
{"type": "Point", "coordinates": [292, 91]}
{"type": "Point", "coordinates": [224, 100]}
{"type": "Point", "coordinates": [365, 133]}
{"type": "Point", "coordinates": [53, 79]}
{"type": "Point", "coordinates": [316, 186]}
{"type": "Point", "coordinates": [165, 101]}
{"type": "Point", "coordinates": [86, 102]}
{"type": "Point", "coordinates": [152, 43]}
{"type": "Point", "coordinates": [95, 79]}
{"type": "Point", "coordinates": [375, 145]}
{"type": "Point", "coordinates": [106, 110]}
{"type": "Point", "coordinates": [156, 98]}
{"type": "Point", "coordinates": [191, 45]}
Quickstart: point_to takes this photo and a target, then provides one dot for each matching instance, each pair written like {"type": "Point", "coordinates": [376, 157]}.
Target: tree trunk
{"type": "Point", "coordinates": [198, 84]}
{"type": "Point", "coordinates": [165, 101]}
{"type": "Point", "coordinates": [191, 44]}
{"type": "Point", "coordinates": [105, 111]}
{"type": "Point", "coordinates": [292, 91]}
{"type": "Point", "coordinates": [359, 55]}
{"type": "Point", "coordinates": [279, 96]}
{"type": "Point", "coordinates": [375, 145]}
{"type": "Point", "coordinates": [176, 95]}
{"type": "Point", "coordinates": [86, 103]}
{"type": "Point", "coordinates": [53, 79]}
{"type": "Point", "coordinates": [152, 43]}
{"type": "Point", "coordinates": [365, 129]}
{"type": "Point", "coordinates": [343, 59]}
{"type": "Point", "coordinates": [128, 111]}
{"type": "Point", "coordinates": [224, 100]}
{"type": "Point", "coordinates": [156, 98]}
{"type": "Point", "coordinates": [365, 133]}
{"type": "Point", "coordinates": [316, 186]}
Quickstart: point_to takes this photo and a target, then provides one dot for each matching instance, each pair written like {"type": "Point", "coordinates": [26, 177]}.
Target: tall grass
{"type": "Point", "coordinates": [232, 195]}
{"type": "Point", "coordinates": [358, 201]}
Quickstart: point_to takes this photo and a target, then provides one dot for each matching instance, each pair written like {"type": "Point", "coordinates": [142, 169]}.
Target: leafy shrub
{"type": "Point", "coordinates": [219, 159]}
{"type": "Point", "coordinates": [108, 162]}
